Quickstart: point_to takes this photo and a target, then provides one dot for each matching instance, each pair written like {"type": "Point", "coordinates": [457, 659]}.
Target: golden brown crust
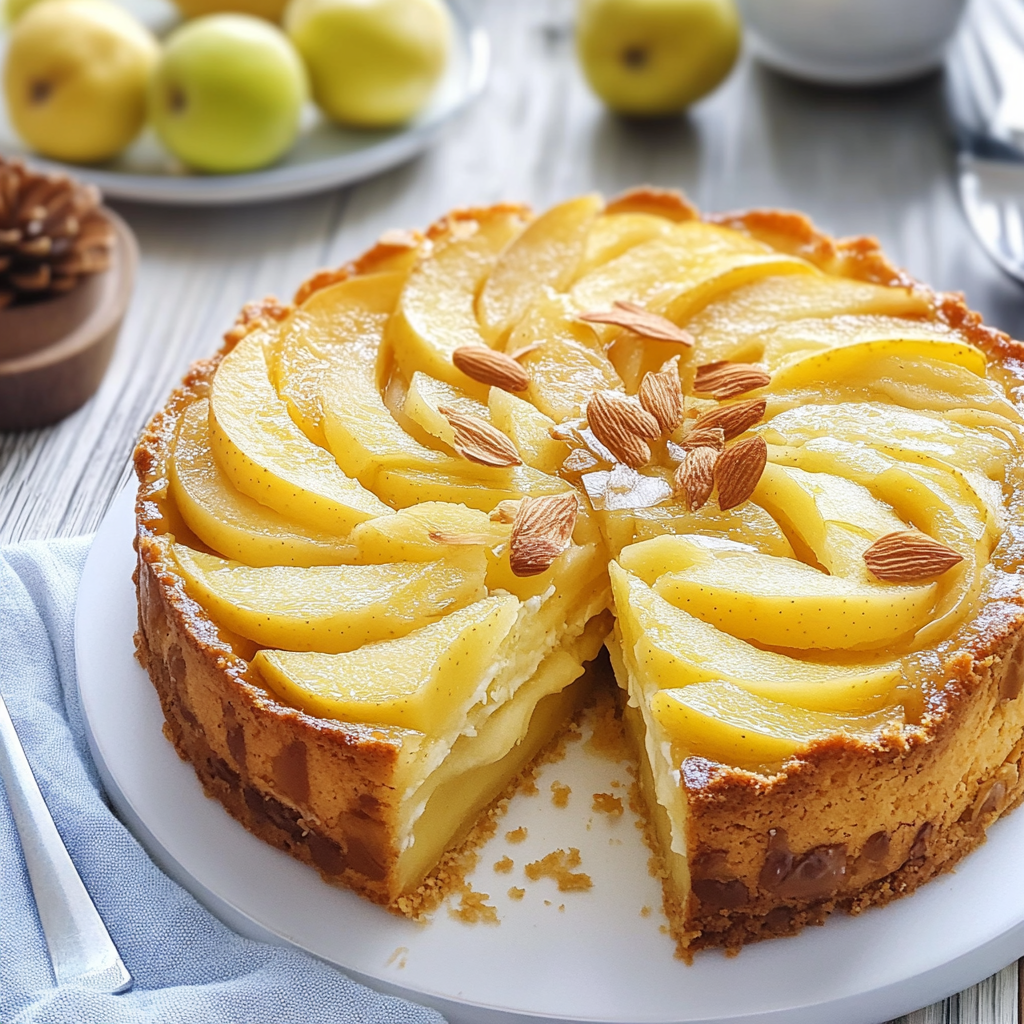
{"type": "Point", "coordinates": [324, 791]}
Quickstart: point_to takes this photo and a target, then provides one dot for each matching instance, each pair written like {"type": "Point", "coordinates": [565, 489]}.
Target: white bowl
{"type": "Point", "coordinates": [851, 42]}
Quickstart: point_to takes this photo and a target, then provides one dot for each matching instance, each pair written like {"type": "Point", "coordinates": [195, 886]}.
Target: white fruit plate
{"type": "Point", "coordinates": [324, 156]}
{"type": "Point", "coordinates": [598, 959]}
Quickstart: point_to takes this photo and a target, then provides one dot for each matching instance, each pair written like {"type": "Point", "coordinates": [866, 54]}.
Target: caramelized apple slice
{"type": "Point", "coordinates": [424, 681]}
{"type": "Point", "coordinates": [330, 608]}
{"type": "Point", "coordinates": [725, 723]}
{"type": "Point", "coordinates": [613, 233]}
{"type": "Point", "coordinates": [546, 254]}
{"type": "Point", "coordinates": [424, 399]}
{"type": "Point", "coordinates": [476, 486]}
{"type": "Point", "coordinates": [529, 430]}
{"type": "Point", "coordinates": [426, 532]}
{"type": "Point", "coordinates": [436, 313]}
{"type": "Point", "coordinates": [267, 456]}
{"type": "Point", "coordinates": [231, 522]}
{"type": "Point", "coordinates": [779, 602]}
{"type": "Point", "coordinates": [671, 647]}
{"type": "Point", "coordinates": [734, 326]}
{"type": "Point", "coordinates": [351, 311]}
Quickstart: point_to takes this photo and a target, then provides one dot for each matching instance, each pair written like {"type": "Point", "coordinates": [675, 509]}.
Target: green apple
{"type": "Point", "coordinates": [649, 58]}
{"type": "Point", "coordinates": [227, 94]}
{"type": "Point", "coordinates": [372, 63]}
{"type": "Point", "coordinates": [75, 78]}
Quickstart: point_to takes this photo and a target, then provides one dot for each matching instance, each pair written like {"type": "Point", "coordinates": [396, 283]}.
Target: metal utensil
{"type": "Point", "coordinates": [81, 949]}
{"type": "Point", "coordinates": [986, 92]}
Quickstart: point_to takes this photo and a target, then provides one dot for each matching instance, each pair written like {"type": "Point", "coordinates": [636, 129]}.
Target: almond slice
{"type": "Point", "coordinates": [490, 367]}
{"type": "Point", "coordinates": [734, 418]}
{"type": "Point", "coordinates": [621, 424]}
{"type": "Point", "coordinates": [505, 511]}
{"type": "Point", "coordinates": [661, 395]}
{"type": "Point", "coordinates": [479, 441]}
{"type": "Point", "coordinates": [738, 470]}
{"type": "Point", "coordinates": [727, 380]}
{"type": "Point", "coordinates": [907, 556]}
{"type": "Point", "coordinates": [640, 321]}
{"type": "Point", "coordinates": [694, 478]}
{"type": "Point", "coordinates": [702, 437]}
{"type": "Point", "coordinates": [541, 531]}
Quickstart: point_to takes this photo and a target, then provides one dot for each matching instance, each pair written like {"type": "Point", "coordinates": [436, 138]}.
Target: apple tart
{"type": "Point", "coordinates": [385, 533]}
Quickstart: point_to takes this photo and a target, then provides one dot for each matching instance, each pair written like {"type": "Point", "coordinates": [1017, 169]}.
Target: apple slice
{"type": "Point", "coordinates": [612, 234]}
{"type": "Point", "coordinates": [859, 358]}
{"type": "Point", "coordinates": [672, 648]}
{"type": "Point", "coordinates": [424, 681]}
{"type": "Point", "coordinates": [231, 522]}
{"type": "Point", "coordinates": [734, 325]}
{"type": "Point", "coordinates": [426, 532]}
{"type": "Point", "coordinates": [436, 311]}
{"type": "Point", "coordinates": [780, 602]}
{"type": "Point", "coordinates": [266, 456]}
{"type": "Point", "coordinates": [478, 487]}
{"type": "Point", "coordinates": [564, 358]}
{"type": "Point", "coordinates": [424, 399]}
{"type": "Point", "coordinates": [725, 723]}
{"type": "Point", "coordinates": [901, 433]}
{"type": "Point", "coordinates": [546, 254]}
{"type": "Point", "coordinates": [353, 310]}
{"type": "Point", "coordinates": [529, 430]}
{"type": "Point", "coordinates": [330, 608]}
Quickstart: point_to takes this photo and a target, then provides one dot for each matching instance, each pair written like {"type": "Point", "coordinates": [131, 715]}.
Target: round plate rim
{"type": "Point", "coordinates": [945, 976]}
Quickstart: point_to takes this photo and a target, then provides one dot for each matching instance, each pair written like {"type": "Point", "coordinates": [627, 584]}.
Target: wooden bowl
{"type": "Point", "coordinates": [53, 354]}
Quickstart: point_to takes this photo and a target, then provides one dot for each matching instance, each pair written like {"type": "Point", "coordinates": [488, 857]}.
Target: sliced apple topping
{"type": "Point", "coordinates": [426, 396]}
{"type": "Point", "coordinates": [528, 429]}
{"type": "Point", "coordinates": [671, 647]}
{"type": "Point", "coordinates": [330, 608]}
{"type": "Point", "coordinates": [229, 521]}
{"type": "Point", "coordinates": [423, 681]}
{"type": "Point", "coordinates": [723, 722]}
{"type": "Point", "coordinates": [546, 254]}
{"type": "Point", "coordinates": [268, 457]}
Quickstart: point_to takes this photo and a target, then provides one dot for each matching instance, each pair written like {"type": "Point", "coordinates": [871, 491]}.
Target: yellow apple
{"type": "Point", "coordinates": [649, 58]}
{"type": "Point", "coordinates": [75, 78]}
{"type": "Point", "coordinates": [373, 63]}
{"type": "Point", "coordinates": [272, 10]}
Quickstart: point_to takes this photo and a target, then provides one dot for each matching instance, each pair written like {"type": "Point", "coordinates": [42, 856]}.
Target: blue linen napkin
{"type": "Point", "coordinates": [188, 967]}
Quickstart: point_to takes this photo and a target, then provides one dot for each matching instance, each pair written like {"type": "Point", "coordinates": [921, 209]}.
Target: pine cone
{"type": "Point", "coordinates": [52, 232]}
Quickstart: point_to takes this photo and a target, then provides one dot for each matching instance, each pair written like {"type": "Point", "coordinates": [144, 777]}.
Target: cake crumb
{"type": "Point", "coordinates": [504, 866]}
{"type": "Point", "coordinates": [608, 803]}
{"type": "Point", "coordinates": [616, 784]}
{"type": "Point", "coordinates": [515, 893]}
{"type": "Point", "coordinates": [473, 908]}
{"type": "Point", "coordinates": [547, 903]}
{"type": "Point", "coordinates": [645, 911]}
{"type": "Point", "coordinates": [560, 794]}
{"type": "Point", "coordinates": [558, 866]}
{"type": "Point", "coordinates": [517, 835]}
{"type": "Point", "coordinates": [561, 908]}
{"type": "Point", "coordinates": [399, 955]}
{"type": "Point", "coordinates": [663, 928]}
{"type": "Point", "coordinates": [608, 738]}
{"type": "Point", "coordinates": [528, 787]}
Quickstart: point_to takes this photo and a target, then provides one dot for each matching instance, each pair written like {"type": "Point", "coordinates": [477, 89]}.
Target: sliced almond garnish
{"type": "Point", "coordinates": [734, 418]}
{"type": "Point", "coordinates": [662, 396]}
{"type": "Point", "coordinates": [694, 478]}
{"type": "Point", "coordinates": [490, 367]}
{"type": "Point", "coordinates": [703, 437]}
{"type": "Point", "coordinates": [621, 424]}
{"type": "Point", "coordinates": [727, 380]}
{"type": "Point", "coordinates": [541, 531]}
{"type": "Point", "coordinates": [907, 556]}
{"type": "Point", "coordinates": [459, 539]}
{"type": "Point", "coordinates": [640, 321]}
{"type": "Point", "coordinates": [479, 441]}
{"type": "Point", "coordinates": [505, 511]}
{"type": "Point", "coordinates": [738, 469]}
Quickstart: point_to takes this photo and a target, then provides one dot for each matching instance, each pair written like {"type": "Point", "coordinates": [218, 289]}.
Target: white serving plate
{"type": "Point", "coordinates": [599, 959]}
{"type": "Point", "coordinates": [325, 155]}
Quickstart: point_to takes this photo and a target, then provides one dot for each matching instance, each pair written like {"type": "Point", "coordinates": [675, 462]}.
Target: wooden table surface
{"type": "Point", "coordinates": [877, 162]}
